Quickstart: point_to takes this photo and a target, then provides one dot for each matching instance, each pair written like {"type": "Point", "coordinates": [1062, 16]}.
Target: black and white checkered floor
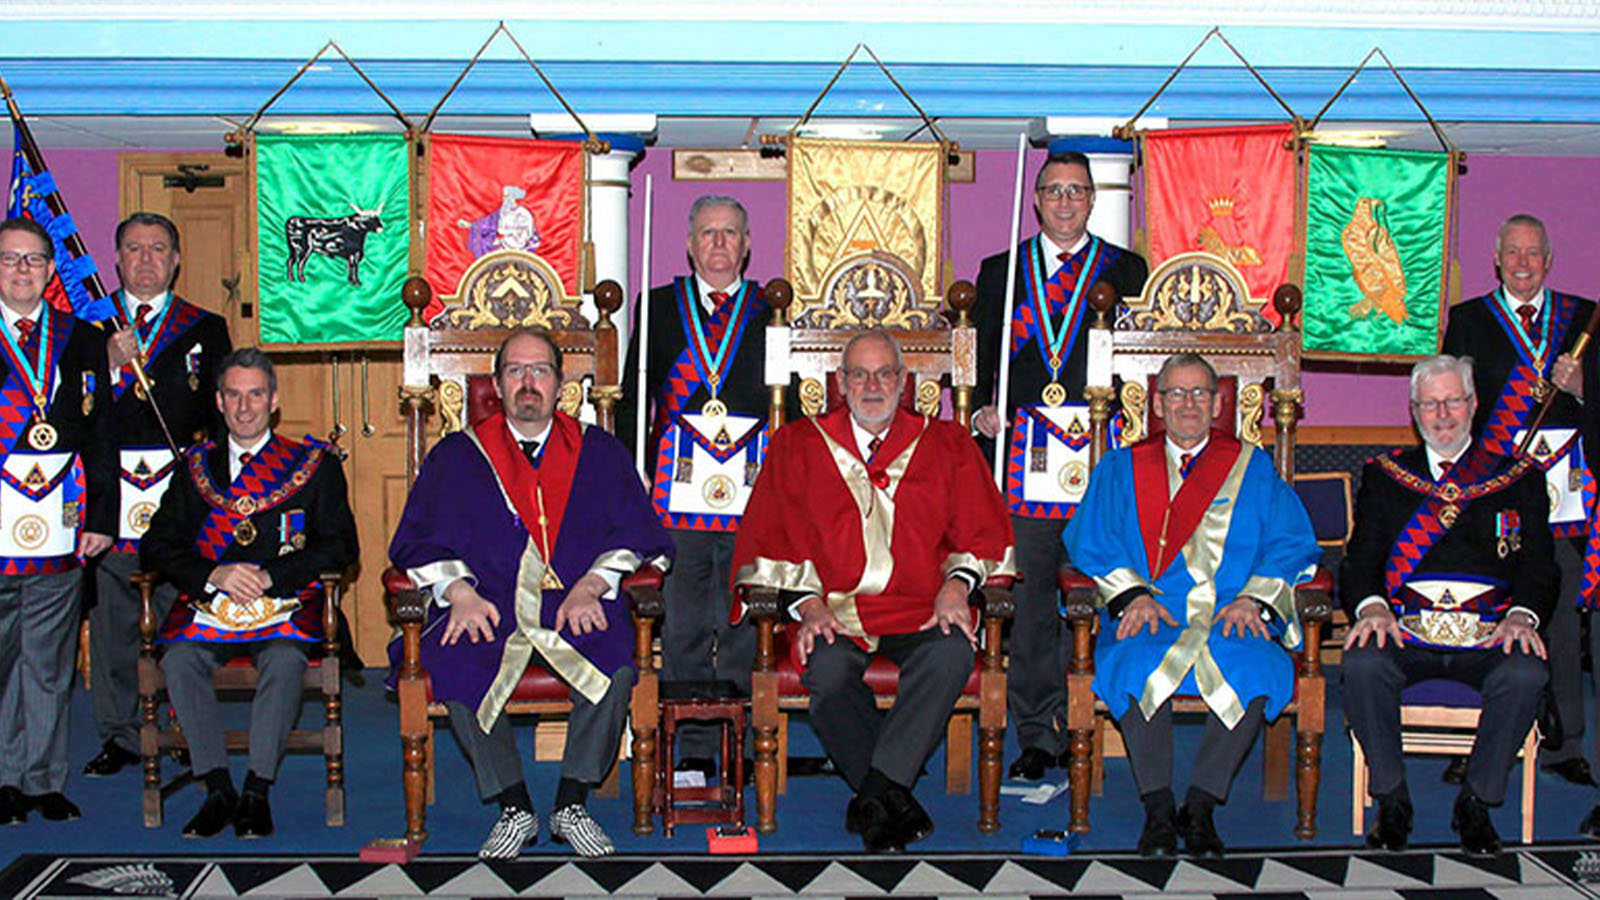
{"type": "Point", "coordinates": [1543, 872]}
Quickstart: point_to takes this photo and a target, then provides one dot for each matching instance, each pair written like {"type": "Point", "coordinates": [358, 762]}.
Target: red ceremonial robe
{"type": "Point", "coordinates": [875, 539]}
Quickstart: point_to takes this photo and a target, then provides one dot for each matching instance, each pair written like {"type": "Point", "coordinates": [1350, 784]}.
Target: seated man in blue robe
{"type": "Point", "coordinates": [1198, 590]}
{"type": "Point", "coordinates": [522, 526]}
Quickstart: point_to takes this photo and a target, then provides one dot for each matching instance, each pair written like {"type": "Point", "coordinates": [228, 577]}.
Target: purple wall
{"type": "Point", "coordinates": [1565, 192]}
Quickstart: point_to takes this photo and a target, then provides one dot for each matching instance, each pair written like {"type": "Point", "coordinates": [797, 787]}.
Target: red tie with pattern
{"type": "Point", "coordinates": [1185, 463]}
{"type": "Point", "coordinates": [872, 448]}
{"type": "Point", "coordinates": [717, 297]}
{"type": "Point", "coordinates": [30, 347]}
{"type": "Point", "coordinates": [141, 318]}
{"type": "Point", "coordinates": [1444, 468]}
{"type": "Point", "coordinates": [1529, 316]}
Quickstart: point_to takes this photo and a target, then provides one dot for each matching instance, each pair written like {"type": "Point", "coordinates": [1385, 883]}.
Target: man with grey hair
{"type": "Point", "coordinates": [1198, 588]}
{"type": "Point", "coordinates": [877, 524]}
{"type": "Point", "coordinates": [705, 394]}
{"type": "Point", "coordinates": [1448, 575]}
{"type": "Point", "coordinates": [1519, 336]}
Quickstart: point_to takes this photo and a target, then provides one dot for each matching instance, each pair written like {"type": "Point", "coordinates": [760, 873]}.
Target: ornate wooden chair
{"type": "Point", "coordinates": [1196, 302]}
{"type": "Point", "coordinates": [240, 676]}
{"type": "Point", "coordinates": [937, 357]}
{"type": "Point", "coordinates": [448, 366]}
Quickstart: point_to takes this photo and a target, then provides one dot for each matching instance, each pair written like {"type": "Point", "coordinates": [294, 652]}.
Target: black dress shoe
{"type": "Point", "coordinates": [1160, 835]}
{"type": "Point", "coordinates": [914, 821]}
{"type": "Point", "coordinates": [1590, 826]}
{"type": "Point", "coordinates": [1574, 770]}
{"type": "Point", "coordinates": [13, 806]}
{"type": "Point", "coordinates": [1456, 771]}
{"type": "Point", "coordinates": [880, 833]}
{"type": "Point", "coordinates": [110, 760]}
{"type": "Point", "coordinates": [214, 815]}
{"type": "Point", "coordinates": [55, 806]}
{"type": "Point", "coordinates": [1471, 821]}
{"type": "Point", "coordinates": [1031, 765]}
{"type": "Point", "coordinates": [1200, 836]}
{"type": "Point", "coordinates": [1392, 831]}
{"type": "Point", "coordinates": [253, 818]}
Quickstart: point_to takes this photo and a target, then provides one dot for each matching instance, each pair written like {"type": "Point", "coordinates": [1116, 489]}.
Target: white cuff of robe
{"type": "Point", "coordinates": [794, 608]}
{"type": "Point", "coordinates": [439, 587]}
{"type": "Point", "coordinates": [613, 580]}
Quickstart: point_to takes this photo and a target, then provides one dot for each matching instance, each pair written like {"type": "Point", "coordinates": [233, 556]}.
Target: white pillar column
{"type": "Point", "coordinates": [609, 188]}
{"type": "Point", "coordinates": [1113, 203]}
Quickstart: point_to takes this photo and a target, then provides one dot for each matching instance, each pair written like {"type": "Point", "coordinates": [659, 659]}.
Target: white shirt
{"type": "Point", "coordinates": [864, 438]}
{"type": "Point", "coordinates": [158, 305]}
{"type": "Point", "coordinates": [705, 289]}
{"type": "Point", "coordinates": [1052, 250]}
{"type": "Point", "coordinates": [1536, 301]}
{"type": "Point", "coordinates": [12, 318]}
{"type": "Point", "coordinates": [541, 437]}
{"type": "Point", "coordinates": [236, 450]}
{"type": "Point", "coordinates": [1175, 453]}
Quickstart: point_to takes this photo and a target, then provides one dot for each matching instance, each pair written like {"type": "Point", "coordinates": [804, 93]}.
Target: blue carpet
{"type": "Point", "coordinates": [810, 816]}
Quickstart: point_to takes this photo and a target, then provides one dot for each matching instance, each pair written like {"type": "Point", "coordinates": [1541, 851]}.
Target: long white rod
{"type": "Point", "coordinates": [1002, 400]}
{"type": "Point", "coordinates": [642, 333]}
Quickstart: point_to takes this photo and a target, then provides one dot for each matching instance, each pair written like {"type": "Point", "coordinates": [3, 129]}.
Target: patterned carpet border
{"type": "Point", "coordinates": [1543, 871]}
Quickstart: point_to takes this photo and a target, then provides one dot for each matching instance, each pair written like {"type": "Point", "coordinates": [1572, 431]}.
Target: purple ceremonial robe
{"type": "Point", "coordinates": [458, 523]}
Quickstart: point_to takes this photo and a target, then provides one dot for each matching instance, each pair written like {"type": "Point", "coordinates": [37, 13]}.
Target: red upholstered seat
{"type": "Point", "coordinates": [482, 400]}
{"type": "Point", "coordinates": [537, 684]}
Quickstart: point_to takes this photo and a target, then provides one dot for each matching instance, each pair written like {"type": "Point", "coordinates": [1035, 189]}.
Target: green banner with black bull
{"type": "Point", "coordinates": [1377, 252]}
{"type": "Point", "coordinates": [332, 237]}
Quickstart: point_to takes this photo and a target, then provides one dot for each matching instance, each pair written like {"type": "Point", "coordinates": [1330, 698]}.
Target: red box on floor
{"type": "Point", "coordinates": [731, 839]}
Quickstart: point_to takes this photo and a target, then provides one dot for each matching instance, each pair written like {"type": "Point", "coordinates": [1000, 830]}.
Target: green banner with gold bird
{"type": "Point", "coordinates": [1378, 226]}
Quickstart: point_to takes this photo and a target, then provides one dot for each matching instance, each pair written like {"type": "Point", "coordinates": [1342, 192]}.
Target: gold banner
{"type": "Point", "coordinates": [865, 233]}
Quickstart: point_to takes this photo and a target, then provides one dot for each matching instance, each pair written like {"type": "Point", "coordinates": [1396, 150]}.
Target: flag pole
{"type": "Point", "coordinates": [642, 332]}
{"type": "Point", "coordinates": [1002, 398]}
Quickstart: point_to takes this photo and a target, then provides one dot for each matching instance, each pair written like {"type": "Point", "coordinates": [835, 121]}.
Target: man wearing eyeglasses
{"type": "Point", "coordinates": [179, 346]}
{"type": "Point", "coordinates": [57, 507]}
{"type": "Point", "coordinates": [1449, 575]}
{"type": "Point", "coordinates": [1197, 584]}
{"type": "Point", "coordinates": [1519, 337]}
{"type": "Point", "coordinates": [522, 526]}
{"type": "Point", "coordinates": [877, 524]}
{"type": "Point", "coordinates": [1048, 351]}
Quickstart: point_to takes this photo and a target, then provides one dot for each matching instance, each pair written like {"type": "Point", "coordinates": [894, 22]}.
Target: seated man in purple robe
{"type": "Point", "coordinates": [522, 526]}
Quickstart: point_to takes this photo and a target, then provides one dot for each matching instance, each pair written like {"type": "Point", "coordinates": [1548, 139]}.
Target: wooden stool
{"type": "Point", "coordinates": [702, 701]}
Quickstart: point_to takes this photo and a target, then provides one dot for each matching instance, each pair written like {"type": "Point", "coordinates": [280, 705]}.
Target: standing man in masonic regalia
{"type": "Point", "coordinates": [247, 528]}
{"type": "Point", "coordinates": [704, 446]}
{"type": "Point", "coordinates": [179, 345]}
{"type": "Point", "coordinates": [57, 501]}
{"type": "Point", "coordinates": [1518, 338]}
{"type": "Point", "coordinates": [1049, 352]}
{"type": "Point", "coordinates": [522, 527]}
{"type": "Point", "coordinates": [1449, 575]}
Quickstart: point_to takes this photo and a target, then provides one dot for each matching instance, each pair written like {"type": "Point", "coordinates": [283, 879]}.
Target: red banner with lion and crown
{"type": "Point", "coordinates": [1227, 191]}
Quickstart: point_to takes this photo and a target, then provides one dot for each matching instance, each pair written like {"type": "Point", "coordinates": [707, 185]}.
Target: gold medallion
{"type": "Point", "coordinates": [88, 404]}
{"type": "Point", "coordinates": [30, 532]}
{"type": "Point", "coordinates": [139, 391]}
{"type": "Point", "coordinates": [714, 408]}
{"type": "Point", "coordinates": [139, 516]}
{"type": "Point", "coordinates": [1054, 394]}
{"type": "Point", "coordinates": [1450, 492]}
{"type": "Point", "coordinates": [42, 436]}
{"type": "Point", "coordinates": [244, 533]}
{"type": "Point", "coordinates": [194, 382]}
{"type": "Point", "coordinates": [719, 492]}
{"type": "Point", "coordinates": [1447, 515]}
{"type": "Point", "coordinates": [245, 506]}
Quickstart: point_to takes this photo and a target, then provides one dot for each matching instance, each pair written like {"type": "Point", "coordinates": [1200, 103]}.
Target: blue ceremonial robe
{"type": "Point", "coordinates": [1250, 536]}
{"type": "Point", "coordinates": [462, 521]}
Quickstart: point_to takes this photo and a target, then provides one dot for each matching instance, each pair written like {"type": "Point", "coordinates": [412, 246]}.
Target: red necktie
{"type": "Point", "coordinates": [141, 317]}
{"type": "Point", "coordinates": [1529, 315]}
{"type": "Point", "coordinates": [1444, 468]}
{"type": "Point", "coordinates": [30, 347]}
{"type": "Point", "coordinates": [1063, 256]}
{"type": "Point", "coordinates": [718, 296]}
{"type": "Point", "coordinates": [1185, 463]}
{"type": "Point", "coordinates": [872, 448]}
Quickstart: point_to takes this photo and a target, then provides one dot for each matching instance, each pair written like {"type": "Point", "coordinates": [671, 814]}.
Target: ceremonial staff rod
{"type": "Point", "coordinates": [1002, 398]}
{"type": "Point", "coordinates": [1576, 354]}
{"type": "Point", "coordinates": [75, 246]}
{"type": "Point", "coordinates": [641, 334]}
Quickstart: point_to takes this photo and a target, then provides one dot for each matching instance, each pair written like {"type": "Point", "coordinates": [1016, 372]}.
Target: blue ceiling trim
{"type": "Point", "coordinates": [237, 87]}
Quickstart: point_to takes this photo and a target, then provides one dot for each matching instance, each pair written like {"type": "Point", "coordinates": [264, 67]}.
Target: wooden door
{"type": "Point", "coordinates": [318, 391]}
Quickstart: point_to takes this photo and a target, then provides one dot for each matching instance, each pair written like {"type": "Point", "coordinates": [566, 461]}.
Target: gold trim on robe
{"type": "Point", "coordinates": [781, 574]}
{"type": "Point", "coordinates": [560, 656]}
{"type": "Point", "coordinates": [1117, 581]}
{"type": "Point", "coordinates": [986, 568]}
{"type": "Point", "coordinates": [442, 572]}
{"type": "Point", "coordinates": [1202, 556]}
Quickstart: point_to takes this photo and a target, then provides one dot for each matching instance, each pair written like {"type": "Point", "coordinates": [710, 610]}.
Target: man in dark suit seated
{"type": "Point", "coordinates": [1449, 574]}
{"type": "Point", "coordinates": [245, 530]}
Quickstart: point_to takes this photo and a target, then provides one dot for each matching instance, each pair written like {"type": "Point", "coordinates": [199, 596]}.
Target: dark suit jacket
{"type": "Point", "coordinates": [80, 432]}
{"type": "Point", "coordinates": [1384, 506]}
{"type": "Point", "coordinates": [744, 389]}
{"type": "Point", "coordinates": [1029, 374]}
{"type": "Point", "coordinates": [191, 412]}
{"type": "Point", "coordinates": [330, 529]}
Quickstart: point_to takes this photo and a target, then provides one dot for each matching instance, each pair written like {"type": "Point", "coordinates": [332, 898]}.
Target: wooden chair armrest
{"type": "Point", "coordinates": [643, 590]}
{"type": "Point", "coordinates": [1077, 596]}
{"type": "Point", "coordinates": [1313, 600]}
{"type": "Point", "coordinates": [763, 604]}
{"type": "Point", "coordinates": [994, 597]}
{"type": "Point", "coordinates": [408, 605]}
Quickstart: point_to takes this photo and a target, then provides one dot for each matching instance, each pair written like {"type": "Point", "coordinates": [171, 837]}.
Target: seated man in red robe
{"type": "Point", "coordinates": [879, 524]}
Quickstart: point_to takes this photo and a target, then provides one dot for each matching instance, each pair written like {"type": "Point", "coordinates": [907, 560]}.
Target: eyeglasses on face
{"type": "Point", "coordinates": [857, 376]}
{"type": "Point", "coordinates": [518, 371]}
{"type": "Point", "coordinates": [1432, 407]}
{"type": "Point", "coordinates": [1177, 396]}
{"type": "Point", "coordinates": [16, 260]}
{"type": "Point", "coordinates": [1069, 191]}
